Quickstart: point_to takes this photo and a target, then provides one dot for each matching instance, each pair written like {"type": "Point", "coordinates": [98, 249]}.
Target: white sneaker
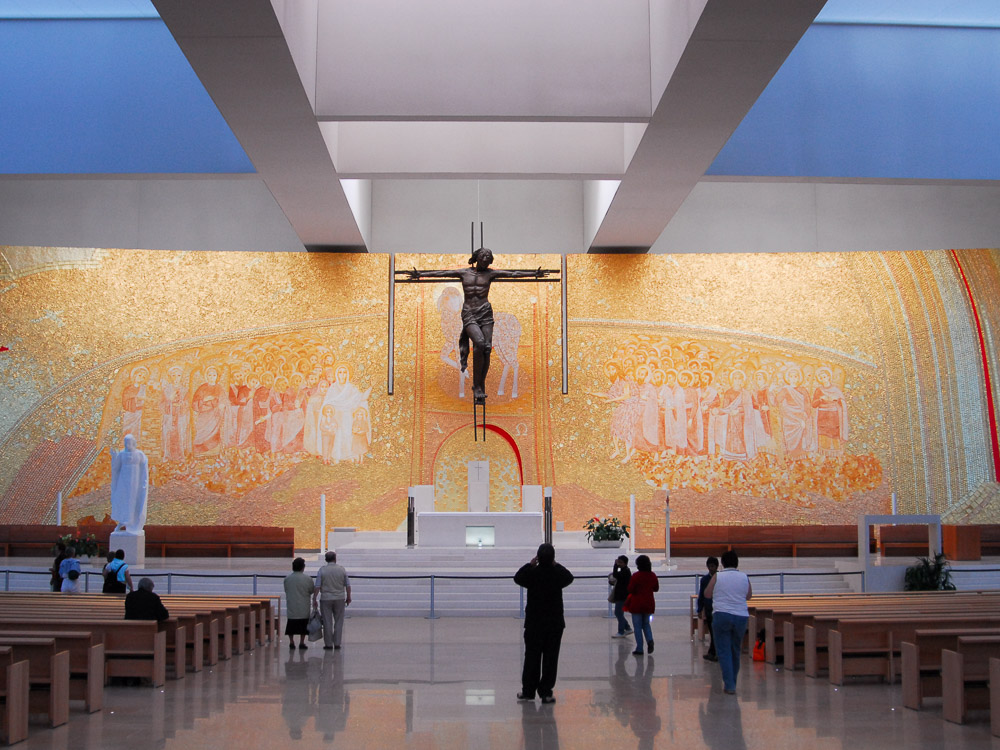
{"type": "Point", "coordinates": [620, 635]}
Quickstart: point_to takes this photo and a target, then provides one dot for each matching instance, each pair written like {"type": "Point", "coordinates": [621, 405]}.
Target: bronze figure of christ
{"type": "Point", "coordinates": [477, 313]}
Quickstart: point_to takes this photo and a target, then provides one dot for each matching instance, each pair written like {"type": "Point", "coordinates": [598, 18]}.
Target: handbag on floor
{"type": "Point", "coordinates": [315, 626]}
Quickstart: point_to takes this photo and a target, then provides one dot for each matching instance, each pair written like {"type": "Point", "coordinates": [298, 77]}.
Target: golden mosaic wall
{"type": "Point", "coordinates": [757, 389]}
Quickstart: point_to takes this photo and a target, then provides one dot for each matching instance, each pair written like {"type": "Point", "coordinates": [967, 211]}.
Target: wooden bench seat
{"type": "Point", "coordinates": [965, 675]}
{"type": "Point", "coordinates": [920, 661]}
{"type": "Point", "coordinates": [868, 647]}
{"type": "Point", "coordinates": [86, 661]}
{"type": "Point", "coordinates": [14, 687]}
{"type": "Point", "coordinates": [48, 675]}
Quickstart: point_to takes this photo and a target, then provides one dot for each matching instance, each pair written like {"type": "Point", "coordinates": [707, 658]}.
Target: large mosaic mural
{"type": "Point", "coordinates": [755, 389]}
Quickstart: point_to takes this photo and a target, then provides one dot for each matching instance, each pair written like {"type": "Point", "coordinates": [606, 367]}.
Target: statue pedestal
{"type": "Point", "coordinates": [133, 544]}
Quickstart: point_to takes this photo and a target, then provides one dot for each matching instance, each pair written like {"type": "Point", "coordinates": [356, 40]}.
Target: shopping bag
{"type": "Point", "coordinates": [758, 647]}
{"type": "Point", "coordinates": [315, 626]}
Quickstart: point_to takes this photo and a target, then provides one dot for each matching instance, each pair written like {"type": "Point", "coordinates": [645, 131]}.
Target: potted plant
{"type": "Point", "coordinates": [606, 532]}
{"type": "Point", "coordinates": [929, 575]}
{"type": "Point", "coordinates": [86, 545]}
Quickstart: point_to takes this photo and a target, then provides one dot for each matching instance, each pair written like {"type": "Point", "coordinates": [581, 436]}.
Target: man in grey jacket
{"type": "Point", "coordinates": [333, 590]}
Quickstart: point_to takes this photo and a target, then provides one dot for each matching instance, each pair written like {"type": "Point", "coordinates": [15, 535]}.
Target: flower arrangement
{"type": "Point", "coordinates": [605, 529]}
{"type": "Point", "coordinates": [84, 544]}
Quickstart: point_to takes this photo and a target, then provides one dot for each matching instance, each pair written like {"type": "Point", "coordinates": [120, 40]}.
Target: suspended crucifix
{"type": "Point", "coordinates": [477, 313]}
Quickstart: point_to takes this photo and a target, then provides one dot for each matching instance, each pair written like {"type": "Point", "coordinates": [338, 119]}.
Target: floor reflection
{"type": "Point", "coordinates": [452, 684]}
{"type": "Point", "coordinates": [313, 690]}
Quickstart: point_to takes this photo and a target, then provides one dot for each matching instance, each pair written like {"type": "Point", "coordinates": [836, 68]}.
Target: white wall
{"type": "Point", "coordinates": [752, 216]}
{"type": "Point", "coordinates": [519, 216]}
{"type": "Point", "coordinates": [155, 214]}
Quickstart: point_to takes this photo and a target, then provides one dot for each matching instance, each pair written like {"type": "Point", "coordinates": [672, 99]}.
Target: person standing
{"type": "Point", "coordinates": [619, 578]}
{"type": "Point", "coordinates": [641, 602]}
{"type": "Point", "coordinates": [298, 588]}
{"type": "Point", "coordinates": [117, 578]}
{"type": "Point", "coordinates": [333, 590]}
{"type": "Point", "coordinates": [68, 564]}
{"type": "Point", "coordinates": [705, 605]}
{"type": "Point", "coordinates": [55, 582]}
{"type": "Point", "coordinates": [729, 591]}
{"type": "Point", "coordinates": [544, 580]}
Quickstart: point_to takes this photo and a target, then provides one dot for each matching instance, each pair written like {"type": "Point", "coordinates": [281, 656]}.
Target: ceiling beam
{"type": "Point", "coordinates": [735, 49]}
{"type": "Point", "coordinates": [237, 49]}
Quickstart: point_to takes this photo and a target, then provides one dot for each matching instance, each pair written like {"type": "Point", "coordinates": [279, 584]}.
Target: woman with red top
{"type": "Point", "coordinates": [641, 602]}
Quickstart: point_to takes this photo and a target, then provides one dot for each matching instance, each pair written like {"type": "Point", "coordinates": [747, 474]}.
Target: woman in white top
{"type": "Point", "coordinates": [729, 591]}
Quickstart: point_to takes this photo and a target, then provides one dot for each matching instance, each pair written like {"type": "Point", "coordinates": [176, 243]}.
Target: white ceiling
{"type": "Point", "coordinates": [645, 92]}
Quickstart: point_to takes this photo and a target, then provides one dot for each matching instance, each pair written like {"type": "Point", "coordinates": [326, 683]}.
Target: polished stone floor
{"type": "Point", "coordinates": [451, 683]}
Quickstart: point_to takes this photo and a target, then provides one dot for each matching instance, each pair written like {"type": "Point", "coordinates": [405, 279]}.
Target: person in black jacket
{"type": "Point", "coordinates": [544, 580]}
{"type": "Point", "coordinates": [705, 605]}
{"type": "Point", "coordinates": [619, 578]}
{"type": "Point", "coordinates": [143, 604]}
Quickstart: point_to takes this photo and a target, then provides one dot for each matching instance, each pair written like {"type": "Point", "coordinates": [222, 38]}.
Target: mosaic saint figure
{"type": "Point", "coordinates": [710, 401]}
{"type": "Point", "coordinates": [621, 426]}
{"type": "Point", "coordinates": [689, 381]}
{"type": "Point", "coordinates": [477, 312]}
{"type": "Point", "coordinates": [794, 405]}
{"type": "Point", "coordinates": [262, 413]}
{"type": "Point", "coordinates": [761, 398]}
{"type": "Point", "coordinates": [674, 413]}
{"type": "Point", "coordinates": [133, 401]}
{"type": "Point", "coordinates": [238, 418]}
{"type": "Point", "coordinates": [832, 428]}
{"type": "Point", "coordinates": [312, 440]}
{"type": "Point", "coordinates": [207, 408]}
{"type": "Point", "coordinates": [346, 399]}
{"type": "Point", "coordinates": [648, 436]}
{"type": "Point", "coordinates": [278, 413]}
{"type": "Point", "coordinates": [129, 487]}
{"type": "Point", "coordinates": [361, 433]}
{"type": "Point", "coordinates": [175, 430]}
{"type": "Point", "coordinates": [328, 432]}
{"type": "Point", "coordinates": [738, 442]}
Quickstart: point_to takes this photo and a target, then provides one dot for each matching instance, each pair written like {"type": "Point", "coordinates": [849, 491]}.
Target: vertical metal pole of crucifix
{"type": "Point", "coordinates": [392, 323]}
{"type": "Point", "coordinates": [564, 321]}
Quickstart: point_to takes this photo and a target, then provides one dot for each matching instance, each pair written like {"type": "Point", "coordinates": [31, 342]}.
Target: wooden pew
{"type": "Point", "coordinates": [862, 646]}
{"type": "Point", "coordinates": [132, 648]}
{"type": "Point", "coordinates": [86, 661]}
{"type": "Point", "coordinates": [818, 628]}
{"type": "Point", "coordinates": [784, 608]}
{"type": "Point", "coordinates": [14, 686]}
{"type": "Point", "coordinates": [920, 661]}
{"type": "Point", "coordinates": [48, 675]}
{"type": "Point", "coordinates": [965, 674]}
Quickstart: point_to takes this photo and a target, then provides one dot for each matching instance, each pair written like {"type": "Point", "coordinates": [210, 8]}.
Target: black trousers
{"type": "Point", "coordinates": [541, 660]}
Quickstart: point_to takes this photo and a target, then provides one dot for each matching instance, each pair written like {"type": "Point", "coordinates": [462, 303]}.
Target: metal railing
{"type": "Point", "coordinates": [254, 581]}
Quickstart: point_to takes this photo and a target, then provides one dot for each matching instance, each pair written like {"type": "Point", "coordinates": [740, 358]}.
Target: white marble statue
{"type": "Point", "coordinates": [129, 484]}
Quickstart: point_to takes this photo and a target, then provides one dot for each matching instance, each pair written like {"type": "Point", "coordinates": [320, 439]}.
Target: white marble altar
{"type": "Point", "coordinates": [451, 529]}
{"type": "Point", "coordinates": [479, 486]}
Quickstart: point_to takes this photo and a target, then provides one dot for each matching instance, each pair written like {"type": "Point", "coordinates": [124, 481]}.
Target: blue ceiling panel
{"type": "Point", "coordinates": [106, 96]}
{"type": "Point", "coordinates": [877, 101]}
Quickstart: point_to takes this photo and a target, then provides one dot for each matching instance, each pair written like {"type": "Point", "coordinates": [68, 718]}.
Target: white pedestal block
{"type": "Point", "coordinates": [466, 529]}
{"type": "Point", "coordinates": [531, 498]}
{"type": "Point", "coordinates": [423, 498]}
{"type": "Point", "coordinates": [133, 544]}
